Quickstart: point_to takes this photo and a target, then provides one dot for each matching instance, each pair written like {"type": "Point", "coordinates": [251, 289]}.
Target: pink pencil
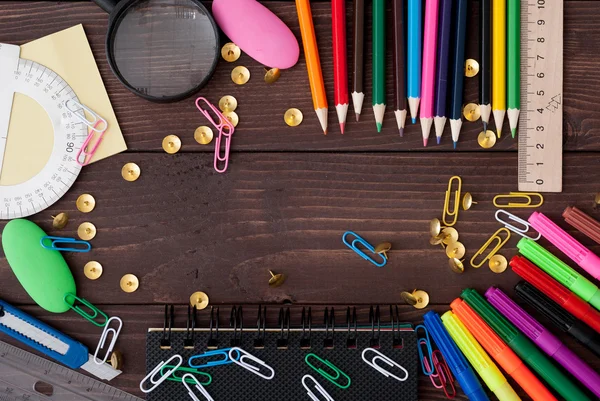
{"type": "Point", "coordinates": [428, 72]}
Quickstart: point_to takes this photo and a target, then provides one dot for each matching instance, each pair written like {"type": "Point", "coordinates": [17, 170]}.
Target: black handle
{"type": "Point", "coordinates": [106, 5]}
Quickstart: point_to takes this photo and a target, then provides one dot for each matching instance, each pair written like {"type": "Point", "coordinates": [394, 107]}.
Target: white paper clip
{"type": "Point", "coordinates": [162, 378]}
{"type": "Point", "coordinates": [197, 386]}
{"type": "Point", "coordinates": [115, 335]}
{"type": "Point", "coordinates": [517, 230]}
{"type": "Point", "coordinates": [254, 369]}
{"type": "Point", "coordinates": [385, 359]}
{"type": "Point", "coordinates": [91, 124]}
{"type": "Point", "coordinates": [318, 387]}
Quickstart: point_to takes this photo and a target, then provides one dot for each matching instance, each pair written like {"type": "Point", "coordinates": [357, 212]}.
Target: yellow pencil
{"type": "Point", "coordinates": [499, 63]}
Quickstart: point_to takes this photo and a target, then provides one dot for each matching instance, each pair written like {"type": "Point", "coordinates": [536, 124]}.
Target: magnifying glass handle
{"type": "Point", "coordinates": [106, 5]}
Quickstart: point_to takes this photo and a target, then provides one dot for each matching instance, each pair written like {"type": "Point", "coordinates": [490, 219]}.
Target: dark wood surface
{"type": "Point", "coordinates": [290, 193]}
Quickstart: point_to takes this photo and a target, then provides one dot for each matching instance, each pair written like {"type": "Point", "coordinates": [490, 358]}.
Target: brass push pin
{"type": "Point", "coordinates": [498, 264]}
{"type": "Point", "coordinates": [199, 299]}
{"type": "Point", "coordinates": [435, 227]}
{"type": "Point", "coordinates": [86, 231]}
{"type": "Point", "coordinates": [471, 112]}
{"type": "Point", "coordinates": [468, 201]}
{"type": "Point", "coordinates": [130, 172]}
{"type": "Point", "coordinates": [418, 298]}
{"type": "Point", "coordinates": [85, 203]}
{"type": "Point", "coordinates": [232, 117]}
{"type": "Point", "coordinates": [116, 360]}
{"type": "Point", "coordinates": [455, 250]}
{"type": "Point", "coordinates": [471, 68]}
{"type": "Point", "coordinates": [129, 283]}
{"type": "Point", "coordinates": [230, 52]}
{"type": "Point", "coordinates": [203, 135]}
{"type": "Point", "coordinates": [456, 265]}
{"type": "Point", "coordinates": [437, 240]}
{"type": "Point", "coordinates": [228, 103]}
{"type": "Point", "coordinates": [383, 249]}
{"type": "Point", "coordinates": [293, 117]}
{"type": "Point", "coordinates": [486, 139]}
{"type": "Point", "coordinates": [60, 220]}
{"type": "Point", "coordinates": [597, 199]}
{"type": "Point", "coordinates": [276, 279]}
{"type": "Point", "coordinates": [171, 144]}
{"type": "Point", "coordinates": [450, 235]}
{"type": "Point", "coordinates": [92, 270]}
{"type": "Point", "coordinates": [272, 75]}
{"type": "Point", "coordinates": [240, 75]}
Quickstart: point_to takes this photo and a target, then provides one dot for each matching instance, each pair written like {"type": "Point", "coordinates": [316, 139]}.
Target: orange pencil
{"type": "Point", "coordinates": [502, 353]}
{"type": "Point", "coordinates": [313, 64]}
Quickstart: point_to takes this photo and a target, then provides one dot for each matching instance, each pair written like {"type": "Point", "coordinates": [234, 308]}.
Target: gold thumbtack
{"type": "Point", "coordinates": [171, 144]}
{"type": "Point", "coordinates": [228, 103]}
{"type": "Point", "coordinates": [498, 263]}
{"type": "Point", "coordinates": [86, 231]}
{"type": "Point", "coordinates": [116, 360]}
{"type": "Point", "coordinates": [203, 135]}
{"type": "Point", "coordinates": [437, 240]}
{"type": "Point", "coordinates": [240, 75]}
{"type": "Point", "coordinates": [435, 227]}
{"type": "Point", "coordinates": [455, 250]}
{"type": "Point", "coordinates": [456, 265]}
{"type": "Point", "coordinates": [597, 198]}
{"type": "Point", "coordinates": [471, 68]}
{"type": "Point", "coordinates": [60, 220]}
{"type": "Point", "coordinates": [130, 172]}
{"type": "Point", "coordinates": [92, 270]}
{"type": "Point", "coordinates": [230, 52]}
{"type": "Point", "coordinates": [199, 299]}
{"type": "Point", "coordinates": [418, 298]}
{"type": "Point", "coordinates": [129, 283]}
{"type": "Point", "coordinates": [272, 75]}
{"type": "Point", "coordinates": [450, 235]}
{"type": "Point", "coordinates": [471, 112]}
{"type": "Point", "coordinates": [486, 139]}
{"type": "Point", "coordinates": [293, 117]}
{"type": "Point", "coordinates": [232, 117]}
{"type": "Point", "coordinates": [85, 203]}
{"type": "Point", "coordinates": [468, 201]}
{"type": "Point", "coordinates": [276, 279]}
{"type": "Point", "coordinates": [383, 249]}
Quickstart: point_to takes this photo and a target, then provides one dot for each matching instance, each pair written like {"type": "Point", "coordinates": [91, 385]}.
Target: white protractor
{"type": "Point", "coordinates": [20, 197]}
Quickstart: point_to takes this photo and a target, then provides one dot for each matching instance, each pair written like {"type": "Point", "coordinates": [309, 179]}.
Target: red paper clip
{"type": "Point", "coordinates": [444, 374]}
{"type": "Point", "coordinates": [225, 129]}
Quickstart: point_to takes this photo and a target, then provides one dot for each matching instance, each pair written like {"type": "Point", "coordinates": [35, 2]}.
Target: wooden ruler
{"type": "Point", "coordinates": [540, 124]}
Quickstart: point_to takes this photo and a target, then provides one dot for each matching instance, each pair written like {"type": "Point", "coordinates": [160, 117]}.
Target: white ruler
{"type": "Point", "coordinates": [540, 124]}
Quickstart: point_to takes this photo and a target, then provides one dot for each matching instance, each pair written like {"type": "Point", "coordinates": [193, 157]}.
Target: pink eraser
{"type": "Point", "coordinates": [258, 32]}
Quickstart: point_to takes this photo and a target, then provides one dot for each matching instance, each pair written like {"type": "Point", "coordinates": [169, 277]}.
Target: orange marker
{"type": "Point", "coordinates": [313, 63]}
{"type": "Point", "coordinates": [501, 352]}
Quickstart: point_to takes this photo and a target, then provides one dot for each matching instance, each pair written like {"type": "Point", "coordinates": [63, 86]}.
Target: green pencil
{"type": "Point", "coordinates": [514, 64]}
{"type": "Point", "coordinates": [379, 61]}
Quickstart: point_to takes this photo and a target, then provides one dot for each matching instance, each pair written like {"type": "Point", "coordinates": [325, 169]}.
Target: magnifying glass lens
{"type": "Point", "coordinates": [164, 49]}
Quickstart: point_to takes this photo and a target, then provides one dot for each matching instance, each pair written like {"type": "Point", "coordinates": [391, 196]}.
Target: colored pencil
{"type": "Point", "coordinates": [399, 65]}
{"type": "Point", "coordinates": [313, 64]}
{"type": "Point", "coordinates": [358, 95]}
{"type": "Point", "coordinates": [414, 43]}
{"type": "Point", "coordinates": [485, 56]}
{"type": "Point", "coordinates": [499, 63]}
{"type": "Point", "coordinates": [458, 69]}
{"type": "Point", "coordinates": [514, 64]}
{"type": "Point", "coordinates": [441, 73]}
{"type": "Point", "coordinates": [379, 62]}
{"type": "Point", "coordinates": [428, 74]}
{"type": "Point", "coordinates": [340, 60]}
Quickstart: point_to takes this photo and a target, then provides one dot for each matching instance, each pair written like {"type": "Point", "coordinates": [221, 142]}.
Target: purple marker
{"type": "Point", "coordinates": [544, 339]}
{"type": "Point", "coordinates": [441, 72]}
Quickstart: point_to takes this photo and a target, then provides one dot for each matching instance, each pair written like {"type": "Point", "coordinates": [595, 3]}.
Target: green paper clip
{"type": "Point", "coordinates": [179, 379]}
{"type": "Point", "coordinates": [332, 378]}
{"type": "Point", "coordinates": [90, 317]}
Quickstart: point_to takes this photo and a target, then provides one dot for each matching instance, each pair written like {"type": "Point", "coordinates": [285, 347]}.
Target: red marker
{"type": "Point", "coordinates": [340, 60]}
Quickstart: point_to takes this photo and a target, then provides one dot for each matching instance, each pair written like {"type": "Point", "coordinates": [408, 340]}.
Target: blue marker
{"type": "Point", "coordinates": [414, 44]}
{"type": "Point", "coordinates": [454, 358]}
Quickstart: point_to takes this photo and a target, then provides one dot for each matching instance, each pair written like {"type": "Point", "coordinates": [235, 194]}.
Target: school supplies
{"type": "Point", "coordinates": [513, 58]}
{"type": "Point", "coordinates": [556, 292]}
{"type": "Point", "coordinates": [197, 386]}
{"type": "Point", "coordinates": [339, 378]}
{"type": "Point", "coordinates": [358, 54]}
{"type": "Point", "coordinates": [313, 64]}
{"type": "Point", "coordinates": [499, 63]}
{"type": "Point", "coordinates": [399, 58]}
{"type": "Point", "coordinates": [162, 376]}
{"type": "Point", "coordinates": [373, 362]}
{"type": "Point", "coordinates": [353, 243]}
{"type": "Point", "coordinates": [560, 271]}
{"type": "Point", "coordinates": [523, 347]}
{"type": "Point", "coordinates": [558, 316]}
{"type": "Point", "coordinates": [501, 352]}
{"type": "Point", "coordinates": [578, 253]}
{"type": "Point", "coordinates": [429, 63]}
{"type": "Point", "coordinates": [379, 62]}
{"type": "Point", "coordinates": [479, 359]}
{"type": "Point", "coordinates": [498, 242]}
{"type": "Point", "coordinates": [442, 64]}
{"type": "Point", "coordinates": [452, 213]}
{"type": "Point", "coordinates": [340, 60]}
{"type": "Point", "coordinates": [254, 368]}
{"type": "Point", "coordinates": [583, 222]}
{"type": "Point", "coordinates": [318, 387]}
{"type": "Point", "coordinates": [457, 75]}
{"type": "Point", "coordinates": [114, 335]}
{"type": "Point", "coordinates": [225, 129]}
{"type": "Point", "coordinates": [485, 60]}
{"type": "Point", "coordinates": [510, 224]}
{"type": "Point", "coordinates": [64, 244]}
{"type": "Point", "coordinates": [508, 200]}
{"type": "Point", "coordinates": [414, 41]}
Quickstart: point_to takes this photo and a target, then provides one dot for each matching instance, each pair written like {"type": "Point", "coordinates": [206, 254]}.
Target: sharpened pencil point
{"type": "Point", "coordinates": [357, 117]}
{"type": "Point", "coordinates": [414, 120]}
{"type": "Point", "coordinates": [455, 145]}
{"type": "Point", "coordinates": [425, 142]}
{"type": "Point", "coordinates": [325, 132]}
{"type": "Point", "coordinates": [439, 139]}
{"type": "Point", "coordinates": [485, 126]}
{"type": "Point", "coordinates": [499, 133]}
{"type": "Point", "coordinates": [379, 125]}
{"type": "Point", "coordinates": [401, 132]}
{"type": "Point", "coordinates": [342, 125]}
{"type": "Point", "coordinates": [513, 132]}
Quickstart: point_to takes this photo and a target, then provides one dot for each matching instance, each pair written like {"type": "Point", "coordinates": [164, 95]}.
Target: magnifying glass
{"type": "Point", "coordinates": [161, 50]}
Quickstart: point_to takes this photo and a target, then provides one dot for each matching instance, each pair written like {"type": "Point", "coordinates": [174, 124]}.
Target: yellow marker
{"type": "Point", "coordinates": [499, 63]}
{"type": "Point", "coordinates": [478, 358]}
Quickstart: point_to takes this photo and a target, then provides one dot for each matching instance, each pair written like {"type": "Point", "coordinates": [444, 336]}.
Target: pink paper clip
{"type": "Point", "coordinates": [87, 155]}
{"type": "Point", "coordinates": [79, 110]}
{"type": "Point", "coordinates": [225, 129]}
{"type": "Point", "coordinates": [444, 374]}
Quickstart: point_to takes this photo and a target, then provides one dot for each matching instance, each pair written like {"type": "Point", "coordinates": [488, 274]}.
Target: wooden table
{"type": "Point", "coordinates": [290, 193]}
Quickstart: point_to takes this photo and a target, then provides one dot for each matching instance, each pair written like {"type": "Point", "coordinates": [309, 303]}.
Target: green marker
{"type": "Point", "coordinates": [523, 347]}
{"type": "Point", "coordinates": [561, 272]}
{"type": "Point", "coordinates": [379, 61]}
{"type": "Point", "coordinates": [513, 64]}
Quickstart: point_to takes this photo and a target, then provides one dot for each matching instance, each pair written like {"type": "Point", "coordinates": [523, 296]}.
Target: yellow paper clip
{"type": "Point", "coordinates": [500, 243]}
{"type": "Point", "coordinates": [519, 195]}
{"type": "Point", "coordinates": [452, 213]}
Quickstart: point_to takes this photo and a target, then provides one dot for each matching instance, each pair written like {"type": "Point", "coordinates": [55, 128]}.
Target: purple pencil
{"type": "Point", "coordinates": [441, 73]}
{"type": "Point", "coordinates": [544, 339]}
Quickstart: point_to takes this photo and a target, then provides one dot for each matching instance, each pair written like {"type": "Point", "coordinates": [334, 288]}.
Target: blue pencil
{"type": "Point", "coordinates": [441, 73]}
{"type": "Point", "coordinates": [415, 45]}
{"type": "Point", "coordinates": [457, 65]}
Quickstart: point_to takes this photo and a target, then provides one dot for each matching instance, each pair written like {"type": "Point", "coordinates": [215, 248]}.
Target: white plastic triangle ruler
{"type": "Point", "coordinates": [51, 92]}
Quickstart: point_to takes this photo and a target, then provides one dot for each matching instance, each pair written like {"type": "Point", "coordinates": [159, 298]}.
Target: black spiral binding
{"type": "Point", "coordinates": [329, 319]}
{"type": "Point", "coordinates": [261, 326]}
{"type": "Point", "coordinates": [397, 338]}
{"type": "Point", "coordinates": [374, 318]}
{"type": "Point", "coordinates": [188, 342]}
{"type": "Point", "coordinates": [236, 321]}
{"type": "Point", "coordinates": [351, 335]}
{"type": "Point", "coordinates": [165, 342]}
{"type": "Point", "coordinates": [306, 321]}
{"type": "Point", "coordinates": [213, 342]}
{"type": "Point", "coordinates": [284, 324]}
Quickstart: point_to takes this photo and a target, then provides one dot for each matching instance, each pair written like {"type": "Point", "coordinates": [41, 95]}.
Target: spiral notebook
{"type": "Point", "coordinates": [284, 347]}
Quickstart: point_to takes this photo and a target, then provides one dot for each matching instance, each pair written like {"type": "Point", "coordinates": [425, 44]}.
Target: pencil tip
{"type": "Point", "coordinates": [414, 120]}
{"type": "Point", "coordinates": [499, 133]}
{"type": "Point", "coordinates": [425, 142]}
{"type": "Point", "coordinates": [455, 145]}
{"type": "Point", "coordinates": [485, 126]}
{"type": "Point", "coordinates": [379, 125]}
{"type": "Point", "coordinates": [401, 132]}
{"type": "Point", "coordinates": [439, 139]}
{"type": "Point", "coordinates": [357, 117]}
{"type": "Point", "coordinates": [325, 132]}
{"type": "Point", "coordinates": [513, 132]}
{"type": "Point", "coordinates": [342, 125]}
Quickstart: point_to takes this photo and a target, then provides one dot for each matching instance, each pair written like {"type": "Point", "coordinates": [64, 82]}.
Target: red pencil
{"type": "Point", "coordinates": [340, 63]}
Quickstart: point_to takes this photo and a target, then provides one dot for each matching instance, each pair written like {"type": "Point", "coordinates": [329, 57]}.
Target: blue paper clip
{"type": "Point", "coordinates": [427, 365]}
{"type": "Point", "coordinates": [363, 242]}
{"type": "Point", "coordinates": [224, 361]}
{"type": "Point", "coordinates": [55, 241]}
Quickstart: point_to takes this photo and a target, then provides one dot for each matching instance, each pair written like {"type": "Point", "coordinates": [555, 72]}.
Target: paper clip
{"type": "Point", "coordinates": [452, 213]}
{"type": "Point", "coordinates": [252, 368]}
{"type": "Point", "coordinates": [225, 129]}
{"type": "Point", "coordinates": [197, 386]}
{"type": "Point", "coordinates": [426, 367]}
{"type": "Point", "coordinates": [318, 387]}
{"type": "Point", "coordinates": [385, 359]}
{"type": "Point", "coordinates": [115, 335]}
{"type": "Point", "coordinates": [222, 352]}
{"type": "Point", "coordinates": [91, 124]}
{"type": "Point", "coordinates": [443, 373]}
{"type": "Point", "coordinates": [88, 154]}
{"type": "Point", "coordinates": [178, 379]}
{"type": "Point", "coordinates": [337, 373]}
{"type": "Point", "coordinates": [161, 378]}
{"type": "Point", "coordinates": [519, 195]}
{"type": "Point", "coordinates": [68, 243]}
{"type": "Point", "coordinates": [500, 243]}
{"type": "Point", "coordinates": [522, 231]}
{"type": "Point", "coordinates": [363, 242]}
{"type": "Point", "coordinates": [90, 317]}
